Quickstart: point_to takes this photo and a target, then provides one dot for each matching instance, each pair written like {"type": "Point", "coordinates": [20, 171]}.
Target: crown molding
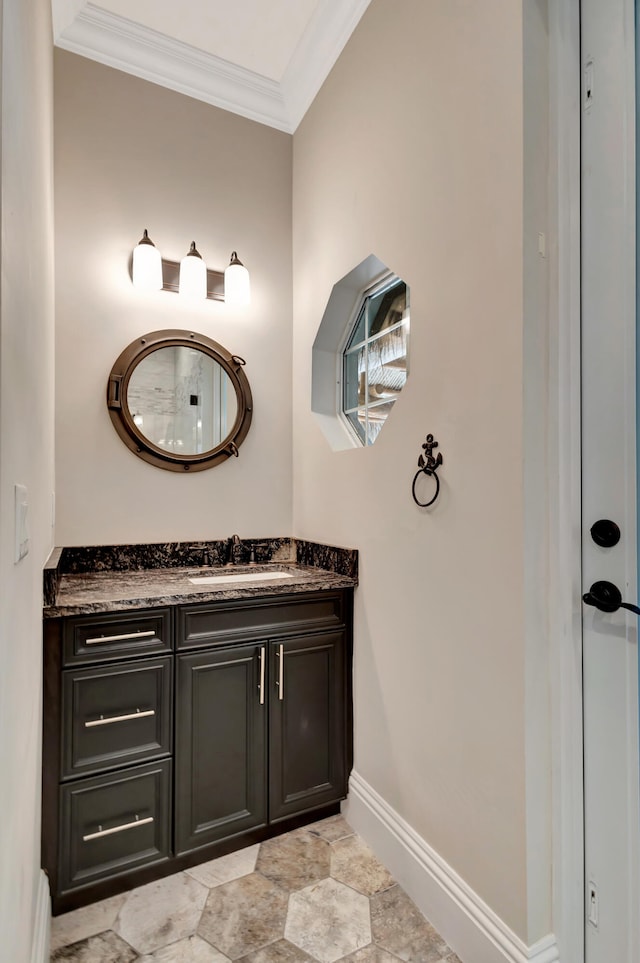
{"type": "Point", "coordinates": [121, 43]}
{"type": "Point", "coordinates": [321, 44]}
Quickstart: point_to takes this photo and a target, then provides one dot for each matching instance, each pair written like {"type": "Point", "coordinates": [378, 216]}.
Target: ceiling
{"type": "Point", "coordinates": [262, 59]}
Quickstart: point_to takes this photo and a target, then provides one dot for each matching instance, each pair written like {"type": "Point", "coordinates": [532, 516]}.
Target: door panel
{"type": "Point", "coordinates": [220, 745]}
{"type": "Point", "coordinates": [307, 723]}
{"type": "Point", "coordinates": [610, 673]}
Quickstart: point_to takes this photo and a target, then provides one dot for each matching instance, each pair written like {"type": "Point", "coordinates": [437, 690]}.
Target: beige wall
{"type": "Point", "coordinates": [26, 448]}
{"type": "Point", "coordinates": [413, 151]}
{"type": "Point", "coordinates": [130, 155]}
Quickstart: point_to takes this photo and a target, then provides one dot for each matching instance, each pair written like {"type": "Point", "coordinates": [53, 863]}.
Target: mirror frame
{"type": "Point", "coordinates": [129, 432]}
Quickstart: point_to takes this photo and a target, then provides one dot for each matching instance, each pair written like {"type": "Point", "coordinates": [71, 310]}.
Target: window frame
{"type": "Point", "coordinates": [381, 284]}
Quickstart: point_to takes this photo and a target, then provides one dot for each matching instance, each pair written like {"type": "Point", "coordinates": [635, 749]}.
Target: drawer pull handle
{"type": "Point", "coordinates": [129, 715]}
{"type": "Point", "coordinates": [280, 682]}
{"type": "Point", "coordinates": [117, 829]}
{"type": "Point", "coordinates": [261, 686]}
{"type": "Point", "coordinates": [120, 638]}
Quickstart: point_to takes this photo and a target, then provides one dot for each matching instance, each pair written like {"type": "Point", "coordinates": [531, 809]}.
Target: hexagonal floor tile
{"type": "Point", "coordinates": [331, 828]}
{"type": "Point", "coordinates": [225, 868]}
{"type": "Point", "coordinates": [280, 952]}
{"type": "Point", "coordinates": [191, 950]}
{"type": "Point", "coordinates": [161, 912]}
{"type": "Point", "coordinates": [398, 926]}
{"type": "Point", "coordinates": [328, 920]}
{"type": "Point", "coordinates": [243, 916]}
{"type": "Point", "coordinates": [371, 954]}
{"type": "Point", "coordinates": [294, 860]}
{"type": "Point", "coordinates": [353, 863]}
{"type": "Point", "coordinates": [104, 948]}
{"type": "Point", "coordinates": [84, 922]}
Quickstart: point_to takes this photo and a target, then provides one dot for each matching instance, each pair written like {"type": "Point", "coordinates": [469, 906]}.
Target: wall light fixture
{"type": "Point", "coordinates": [147, 265]}
{"type": "Point", "coordinates": [193, 275]}
{"type": "Point", "coordinates": [190, 277]}
{"type": "Point", "coordinates": [237, 286]}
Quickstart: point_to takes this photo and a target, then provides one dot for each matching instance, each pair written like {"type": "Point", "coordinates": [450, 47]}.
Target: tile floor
{"type": "Point", "coordinates": [314, 895]}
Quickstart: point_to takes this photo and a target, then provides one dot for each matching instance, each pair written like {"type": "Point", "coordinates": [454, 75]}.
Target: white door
{"type": "Point", "coordinates": [610, 651]}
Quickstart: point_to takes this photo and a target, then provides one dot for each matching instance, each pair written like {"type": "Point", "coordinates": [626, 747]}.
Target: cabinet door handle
{"type": "Point", "coordinates": [125, 718]}
{"type": "Point", "coordinates": [117, 829]}
{"type": "Point", "coordinates": [261, 685]}
{"type": "Point", "coordinates": [280, 682]}
{"type": "Point", "coordinates": [120, 638]}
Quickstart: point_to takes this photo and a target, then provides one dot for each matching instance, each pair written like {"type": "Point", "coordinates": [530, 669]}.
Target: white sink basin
{"type": "Point", "coordinates": [240, 577]}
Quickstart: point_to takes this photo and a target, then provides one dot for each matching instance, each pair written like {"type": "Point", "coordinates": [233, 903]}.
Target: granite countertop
{"type": "Point", "coordinates": [118, 578]}
{"type": "Point", "coordinates": [115, 591]}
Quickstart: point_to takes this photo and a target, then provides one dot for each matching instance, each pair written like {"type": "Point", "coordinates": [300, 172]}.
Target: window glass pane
{"type": "Point", "coordinates": [377, 416]}
{"type": "Point", "coordinates": [359, 331]}
{"type": "Point", "coordinates": [358, 421]}
{"type": "Point", "coordinates": [387, 308]}
{"type": "Point", "coordinates": [374, 364]}
{"type": "Point", "coordinates": [354, 378]}
{"type": "Point", "coordinates": [387, 362]}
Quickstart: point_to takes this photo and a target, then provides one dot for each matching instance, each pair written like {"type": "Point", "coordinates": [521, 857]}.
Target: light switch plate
{"type": "Point", "coordinates": [21, 522]}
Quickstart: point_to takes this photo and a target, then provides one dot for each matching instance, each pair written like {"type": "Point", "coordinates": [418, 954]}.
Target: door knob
{"type": "Point", "coordinates": [605, 533]}
{"type": "Point", "coordinates": [606, 597]}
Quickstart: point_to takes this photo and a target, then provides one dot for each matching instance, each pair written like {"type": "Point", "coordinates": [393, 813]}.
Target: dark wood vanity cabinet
{"type": "Point", "coordinates": [174, 735]}
{"type": "Point", "coordinates": [260, 734]}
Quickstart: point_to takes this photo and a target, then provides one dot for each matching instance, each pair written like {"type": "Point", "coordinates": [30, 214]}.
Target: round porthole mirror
{"type": "Point", "coordinates": [179, 400]}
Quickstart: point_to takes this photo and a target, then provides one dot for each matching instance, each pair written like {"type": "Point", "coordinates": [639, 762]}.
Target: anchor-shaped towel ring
{"type": "Point", "coordinates": [428, 465]}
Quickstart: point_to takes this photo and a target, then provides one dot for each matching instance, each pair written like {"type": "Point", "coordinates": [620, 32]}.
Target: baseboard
{"type": "Point", "coordinates": [42, 922]}
{"type": "Point", "coordinates": [468, 925]}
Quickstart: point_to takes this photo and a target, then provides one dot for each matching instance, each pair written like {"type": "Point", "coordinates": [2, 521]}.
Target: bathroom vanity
{"type": "Point", "coordinates": [188, 710]}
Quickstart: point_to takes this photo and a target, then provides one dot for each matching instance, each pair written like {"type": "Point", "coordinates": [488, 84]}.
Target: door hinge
{"type": "Point", "coordinates": [592, 904]}
{"type": "Point", "coordinates": [588, 84]}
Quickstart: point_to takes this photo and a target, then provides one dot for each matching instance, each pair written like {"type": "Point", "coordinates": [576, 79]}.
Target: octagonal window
{"type": "Point", "coordinates": [360, 354]}
{"type": "Point", "coordinates": [374, 360]}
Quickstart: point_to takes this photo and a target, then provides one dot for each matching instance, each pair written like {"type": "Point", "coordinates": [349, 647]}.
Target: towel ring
{"type": "Point", "coordinates": [428, 465]}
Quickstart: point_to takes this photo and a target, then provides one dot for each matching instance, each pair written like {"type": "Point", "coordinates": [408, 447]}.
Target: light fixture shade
{"type": "Point", "coordinates": [147, 265]}
{"type": "Point", "coordinates": [193, 275]}
{"type": "Point", "coordinates": [237, 285]}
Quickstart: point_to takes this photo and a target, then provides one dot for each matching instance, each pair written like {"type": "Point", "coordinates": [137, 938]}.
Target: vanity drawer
{"type": "Point", "coordinates": [102, 638]}
{"type": "Point", "coordinates": [111, 824]}
{"type": "Point", "coordinates": [115, 714]}
{"type": "Point", "coordinates": [199, 625]}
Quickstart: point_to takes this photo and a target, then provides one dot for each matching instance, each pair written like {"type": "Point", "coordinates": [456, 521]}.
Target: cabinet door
{"type": "Point", "coordinates": [307, 723]}
{"type": "Point", "coordinates": [220, 744]}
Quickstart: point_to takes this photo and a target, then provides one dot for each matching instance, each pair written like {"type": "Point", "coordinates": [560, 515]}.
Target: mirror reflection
{"type": "Point", "coordinates": [182, 400]}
